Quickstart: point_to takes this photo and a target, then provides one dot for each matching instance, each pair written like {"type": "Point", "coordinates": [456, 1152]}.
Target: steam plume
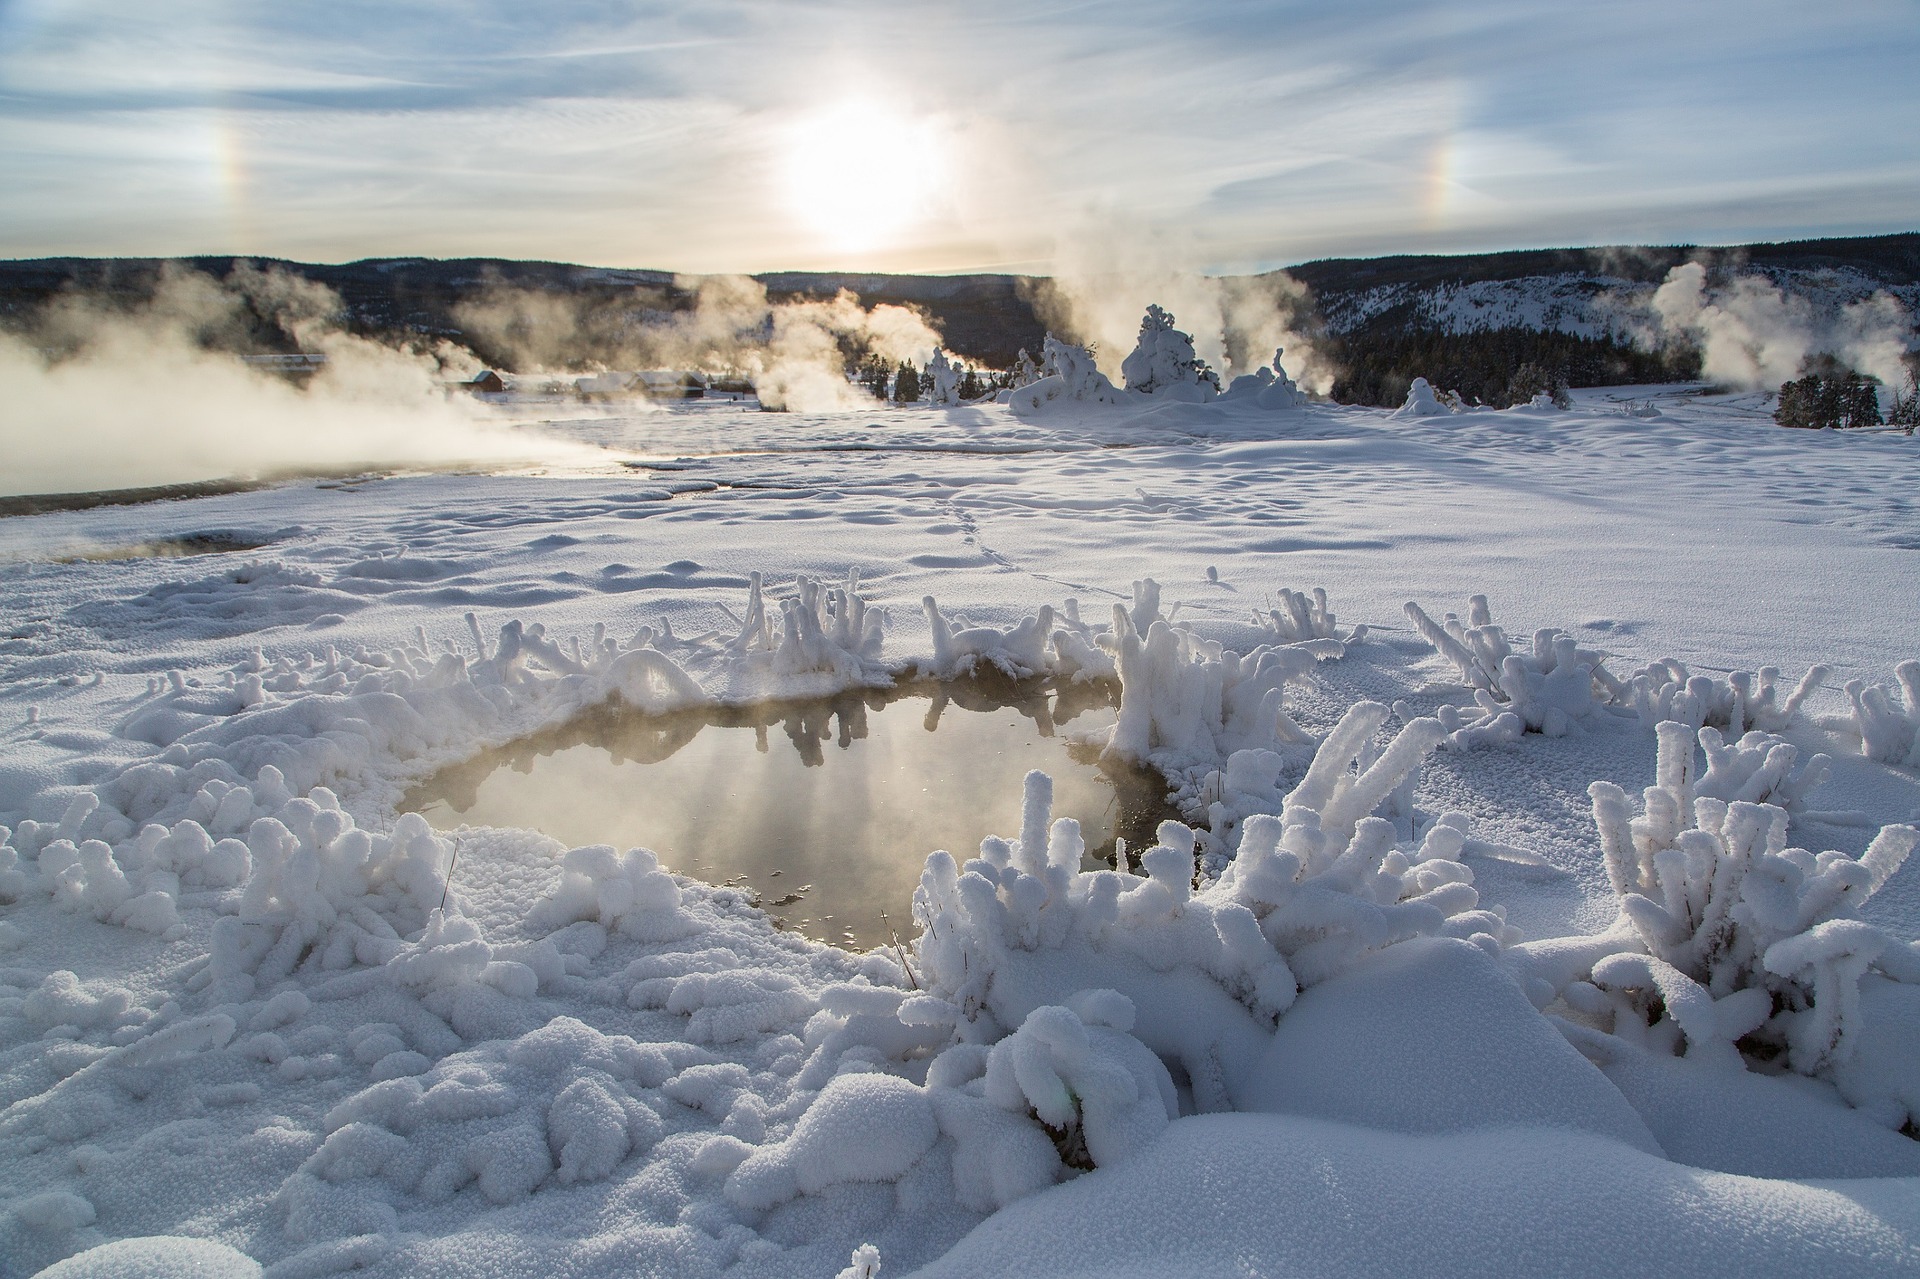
{"type": "Point", "coordinates": [1099, 295]}
{"type": "Point", "coordinates": [1753, 335]}
{"type": "Point", "coordinates": [101, 396]}
{"type": "Point", "coordinates": [795, 352]}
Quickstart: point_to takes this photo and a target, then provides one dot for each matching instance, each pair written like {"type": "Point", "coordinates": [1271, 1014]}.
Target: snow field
{"type": "Point", "coordinates": [234, 1007]}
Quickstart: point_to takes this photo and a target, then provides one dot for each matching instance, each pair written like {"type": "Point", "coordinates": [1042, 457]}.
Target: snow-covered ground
{"type": "Point", "coordinates": [232, 1007]}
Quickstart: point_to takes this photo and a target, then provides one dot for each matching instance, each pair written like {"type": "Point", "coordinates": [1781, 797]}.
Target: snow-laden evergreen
{"type": "Point", "coordinates": [1163, 362]}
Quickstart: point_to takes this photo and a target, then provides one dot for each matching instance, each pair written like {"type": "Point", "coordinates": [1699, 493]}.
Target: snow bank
{"type": "Point", "coordinates": [1403, 1041]}
{"type": "Point", "coordinates": [1359, 1202]}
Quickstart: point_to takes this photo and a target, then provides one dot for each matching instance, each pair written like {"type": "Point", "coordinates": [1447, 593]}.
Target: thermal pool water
{"type": "Point", "coordinates": [825, 809]}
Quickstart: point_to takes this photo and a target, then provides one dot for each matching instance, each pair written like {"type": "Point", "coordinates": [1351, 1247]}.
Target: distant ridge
{"type": "Point", "coordinates": [990, 317]}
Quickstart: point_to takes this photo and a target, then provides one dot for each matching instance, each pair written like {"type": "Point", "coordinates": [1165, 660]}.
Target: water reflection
{"type": "Point", "coordinates": [830, 827]}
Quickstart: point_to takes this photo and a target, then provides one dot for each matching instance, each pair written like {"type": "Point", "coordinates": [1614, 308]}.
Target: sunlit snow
{"type": "Point", "coordinates": [1401, 995]}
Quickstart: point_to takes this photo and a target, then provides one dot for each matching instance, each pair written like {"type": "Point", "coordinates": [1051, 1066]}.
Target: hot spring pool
{"type": "Point", "coordinates": [825, 809]}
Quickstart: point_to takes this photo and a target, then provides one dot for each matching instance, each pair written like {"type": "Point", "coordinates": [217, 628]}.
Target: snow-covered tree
{"type": "Point", "coordinates": [1164, 361]}
{"type": "Point", "coordinates": [942, 380]}
{"type": "Point", "coordinates": [1025, 372]}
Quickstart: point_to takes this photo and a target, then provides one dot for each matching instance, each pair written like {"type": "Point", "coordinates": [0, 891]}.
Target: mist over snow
{"type": "Point", "coordinates": [100, 396]}
{"type": "Point", "coordinates": [1752, 334]}
{"type": "Point", "coordinates": [1106, 281]}
{"type": "Point", "coordinates": [794, 352]}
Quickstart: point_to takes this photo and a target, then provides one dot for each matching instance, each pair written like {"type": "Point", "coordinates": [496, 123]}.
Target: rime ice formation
{"type": "Point", "coordinates": [1558, 684]}
{"type": "Point", "coordinates": [1726, 936]}
{"type": "Point", "coordinates": [1162, 363]}
{"type": "Point", "coordinates": [827, 635]}
{"type": "Point", "coordinates": [1192, 699]}
{"type": "Point", "coordinates": [1269, 387]}
{"type": "Point", "coordinates": [1889, 731]}
{"type": "Point", "coordinates": [1205, 972]}
{"type": "Point", "coordinates": [1025, 371]}
{"type": "Point", "coordinates": [1545, 690]}
{"type": "Point", "coordinates": [1301, 618]}
{"type": "Point", "coordinates": [1019, 651]}
{"type": "Point", "coordinates": [1665, 690]}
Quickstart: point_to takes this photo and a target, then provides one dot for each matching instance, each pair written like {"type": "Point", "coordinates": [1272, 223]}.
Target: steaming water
{"type": "Point", "coordinates": [825, 809]}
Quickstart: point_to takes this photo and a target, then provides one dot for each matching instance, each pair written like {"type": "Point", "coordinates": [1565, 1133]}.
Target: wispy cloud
{"type": "Point", "coordinates": [649, 133]}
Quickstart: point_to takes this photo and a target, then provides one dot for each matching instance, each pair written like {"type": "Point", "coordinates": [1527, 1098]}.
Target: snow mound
{"type": "Point", "coordinates": [156, 1257]}
{"type": "Point", "coordinates": [1403, 1041]}
{"type": "Point", "coordinates": [1423, 402]}
{"type": "Point", "coordinates": [1207, 1196]}
{"type": "Point", "coordinates": [1070, 377]}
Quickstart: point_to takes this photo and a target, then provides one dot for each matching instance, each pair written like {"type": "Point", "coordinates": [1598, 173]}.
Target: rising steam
{"type": "Point", "coordinates": [1752, 335]}
{"type": "Point", "coordinates": [1236, 321]}
{"type": "Point", "coordinates": [101, 396]}
{"type": "Point", "coordinates": [795, 352]}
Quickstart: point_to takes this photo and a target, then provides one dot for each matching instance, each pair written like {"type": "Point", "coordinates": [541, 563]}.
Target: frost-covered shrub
{"type": "Point", "coordinates": [1071, 376]}
{"type": "Point", "coordinates": [1021, 927]}
{"type": "Point", "coordinates": [958, 647]}
{"type": "Point", "coordinates": [1726, 934]}
{"type": "Point", "coordinates": [1666, 690]}
{"type": "Point", "coordinates": [1545, 690]}
{"type": "Point", "coordinates": [1184, 699]}
{"type": "Point", "coordinates": [829, 631]}
{"type": "Point", "coordinates": [1025, 371]}
{"type": "Point", "coordinates": [1163, 362]}
{"type": "Point", "coordinates": [562, 1103]}
{"type": "Point", "coordinates": [1098, 1091]}
{"type": "Point", "coordinates": [1539, 388]}
{"type": "Point", "coordinates": [1300, 618]}
{"type": "Point", "coordinates": [1889, 732]}
{"type": "Point", "coordinates": [626, 892]}
{"type": "Point", "coordinates": [1758, 769]}
{"type": "Point", "coordinates": [300, 877]}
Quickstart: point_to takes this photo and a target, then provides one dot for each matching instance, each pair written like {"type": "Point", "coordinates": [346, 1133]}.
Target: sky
{"type": "Point", "coordinates": [877, 135]}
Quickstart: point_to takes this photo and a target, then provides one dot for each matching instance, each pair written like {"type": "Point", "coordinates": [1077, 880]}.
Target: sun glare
{"type": "Point", "coordinates": [859, 174]}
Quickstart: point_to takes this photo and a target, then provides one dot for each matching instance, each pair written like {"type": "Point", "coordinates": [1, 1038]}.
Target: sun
{"type": "Point", "coordinates": [860, 173]}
